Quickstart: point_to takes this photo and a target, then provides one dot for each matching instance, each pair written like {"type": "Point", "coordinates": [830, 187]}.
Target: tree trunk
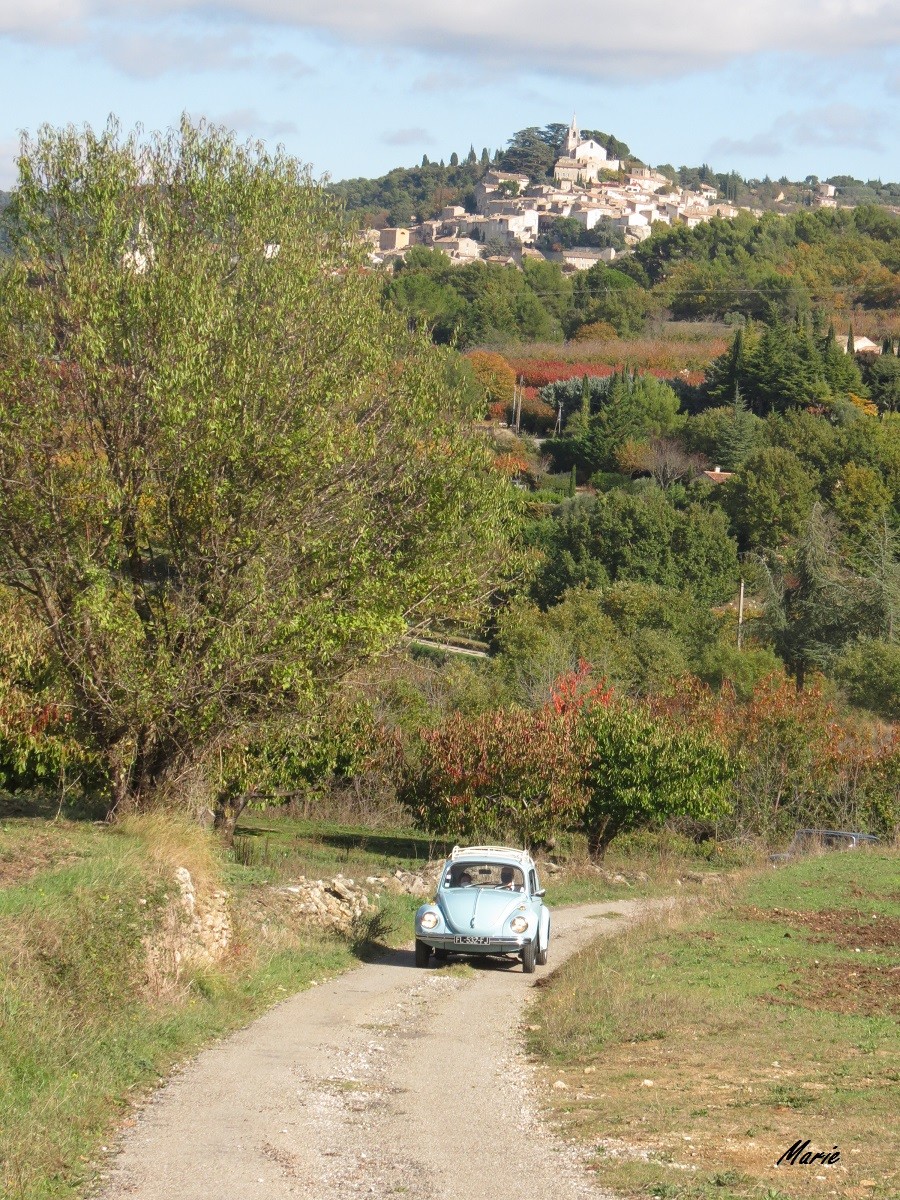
{"type": "Point", "coordinates": [229, 806]}
{"type": "Point", "coordinates": [599, 837]}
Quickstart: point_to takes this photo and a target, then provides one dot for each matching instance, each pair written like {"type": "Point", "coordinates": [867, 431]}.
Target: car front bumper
{"type": "Point", "coordinates": [462, 944]}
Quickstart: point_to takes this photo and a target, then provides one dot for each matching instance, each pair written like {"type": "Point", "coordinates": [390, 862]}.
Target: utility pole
{"type": "Point", "coordinates": [740, 630]}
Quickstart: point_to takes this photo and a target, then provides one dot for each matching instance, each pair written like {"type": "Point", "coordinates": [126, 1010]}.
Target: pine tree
{"type": "Point", "coordinates": [739, 436]}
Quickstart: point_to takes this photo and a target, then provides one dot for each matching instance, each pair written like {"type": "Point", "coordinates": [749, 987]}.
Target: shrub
{"type": "Point", "coordinates": [870, 672]}
{"type": "Point", "coordinates": [495, 375]}
{"type": "Point", "coordinates": [637, 772]}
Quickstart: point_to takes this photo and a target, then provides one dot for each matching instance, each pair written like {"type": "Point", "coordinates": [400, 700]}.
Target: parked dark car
{"type": "Point", "coordinates": [807, 841]}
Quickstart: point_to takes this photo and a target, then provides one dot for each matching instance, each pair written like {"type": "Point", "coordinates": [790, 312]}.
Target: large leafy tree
{"type": "Point", "coordinates": [227, 475]}
{"type": "Point", "coordinates": [816, 602]}
{"type": "Point", "coordinates": [768, 499]}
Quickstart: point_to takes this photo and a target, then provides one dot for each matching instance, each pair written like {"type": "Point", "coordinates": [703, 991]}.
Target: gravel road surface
{"type": "Point", "coordinates": [387, 1081]}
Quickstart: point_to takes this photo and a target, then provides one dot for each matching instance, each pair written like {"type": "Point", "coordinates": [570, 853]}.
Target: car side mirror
{"type": "Point", "coordinates": [539, 892]}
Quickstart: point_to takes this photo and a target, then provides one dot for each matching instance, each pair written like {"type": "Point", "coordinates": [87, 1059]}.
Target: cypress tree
{"type": "Point", "coordinates": [727, 371]}
{"type": "Point", "coordinates": [851, 344]}
{"type": "Point", "coordinates": [454, 159]}
{"type": "Point", "coordinates": [585, 398]}
{"type": "Point", "coordinates": [471, 157]}
{"type": "Point", "coordinates": [485, 157]}
{"type": "Point", "coordinates": [572, 481]}
{"type": "Point", "coordinates": [887, 346]}
{"type": "Point", "coordinates": [425, 162]}
{"type": "Point", "coordinates": [841, 370]}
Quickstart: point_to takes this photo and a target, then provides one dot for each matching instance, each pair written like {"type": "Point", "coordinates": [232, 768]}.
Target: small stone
{"type": "Point", "coordinates": [560, 1085]}
{"type": "Point", "coordinates": [647, 1083]}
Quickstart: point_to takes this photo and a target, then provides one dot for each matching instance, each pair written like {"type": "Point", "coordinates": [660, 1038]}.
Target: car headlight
{"type": "Point", "coordinates": [518, 924]}
{"type": "Point", "coordinates": [429, 920]}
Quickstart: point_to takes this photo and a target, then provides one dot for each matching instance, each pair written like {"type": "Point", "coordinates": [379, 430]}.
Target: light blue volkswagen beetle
{"type": "Point", "coordinates": [488, 901]}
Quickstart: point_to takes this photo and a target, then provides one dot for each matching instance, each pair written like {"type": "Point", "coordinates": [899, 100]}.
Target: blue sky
{"type": "Point", "coordinates": [793, 87]}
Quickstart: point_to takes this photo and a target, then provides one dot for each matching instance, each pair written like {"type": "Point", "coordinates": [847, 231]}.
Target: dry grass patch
{"type": "Point", "coordinates": [683, 1080]}
{"type": "Point", "coordinates": [28, 846]}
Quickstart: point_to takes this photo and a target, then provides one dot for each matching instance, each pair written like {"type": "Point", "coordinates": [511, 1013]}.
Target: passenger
{"type": "Point", "coordinates": [465, 879]}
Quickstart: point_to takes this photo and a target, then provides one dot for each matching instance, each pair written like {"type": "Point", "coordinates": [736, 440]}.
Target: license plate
{"type": "Point", "coordinates": [472, 941]}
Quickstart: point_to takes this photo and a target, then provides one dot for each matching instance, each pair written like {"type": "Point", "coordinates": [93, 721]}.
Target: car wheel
{"type": "Point", "coordinates": [541, 956]}
{"type": "Point", "coordinates": [423, 953]}
{"type": "Point", "coordinates": [528, 957]}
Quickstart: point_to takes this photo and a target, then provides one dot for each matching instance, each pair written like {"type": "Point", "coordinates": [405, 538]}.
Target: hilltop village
{"type": "Point", "coordinates": [588, 187]}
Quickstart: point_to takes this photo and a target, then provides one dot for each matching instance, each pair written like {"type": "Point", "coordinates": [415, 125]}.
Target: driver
{"type": "Point", "coordinates": [508, 878]}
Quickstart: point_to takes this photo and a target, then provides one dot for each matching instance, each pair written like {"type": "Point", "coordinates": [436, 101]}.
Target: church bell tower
{"type": "Point", "coordinates": [572, 138]}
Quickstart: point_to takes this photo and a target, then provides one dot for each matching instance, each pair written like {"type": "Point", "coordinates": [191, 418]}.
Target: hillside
{"type": "Point", "coordinates": [422, 191]}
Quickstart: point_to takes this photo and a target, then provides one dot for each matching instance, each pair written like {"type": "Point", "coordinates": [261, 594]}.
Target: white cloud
{"type": "Point", "coordinates": [149, 52]}
{"type": "Point", "coordinates": [248, 120]}
{"type": "Point", "coordinates": [760, 145]}
{"type": "Point", "coordinates": [407, 137]}
{"type": "Point", "coordinates": [842, 126]}
{"type": "Point", "coordinates": [603, 39]}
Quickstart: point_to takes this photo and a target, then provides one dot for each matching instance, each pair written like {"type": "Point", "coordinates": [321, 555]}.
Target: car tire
{"type": "Point", "coordinates": [528, 957]}
{"type": "Point", "coordinates": [541, 956]}
{"type": "Point", "coordinates": [423, 953]}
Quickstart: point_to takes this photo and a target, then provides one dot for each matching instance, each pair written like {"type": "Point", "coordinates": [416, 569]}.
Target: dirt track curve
{"type": "Point", "coordinates": [387, 1081]}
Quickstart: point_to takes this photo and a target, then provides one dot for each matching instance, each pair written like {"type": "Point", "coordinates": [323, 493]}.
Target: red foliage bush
{"type": "Point", "coordinates": [537, 372]}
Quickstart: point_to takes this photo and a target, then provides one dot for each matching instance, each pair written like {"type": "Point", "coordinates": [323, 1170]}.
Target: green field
{"type": "Point", "coordinates": [698, 1047]}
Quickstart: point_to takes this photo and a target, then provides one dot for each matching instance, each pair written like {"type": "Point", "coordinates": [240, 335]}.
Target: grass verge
{"type": "Point", "coordinates": [82, 1034]}
{"type": "Point", "coordinates": [697, 1047]}
{"type": "Point", "coordinates": [84, 1031]}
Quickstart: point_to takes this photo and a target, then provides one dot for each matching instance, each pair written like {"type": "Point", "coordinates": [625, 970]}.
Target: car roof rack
{"type": "Point", "coordinates": [505, 851]}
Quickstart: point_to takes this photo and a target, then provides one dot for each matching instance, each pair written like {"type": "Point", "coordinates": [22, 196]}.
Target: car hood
{"type": "Point", "coordinates": [480, 909]}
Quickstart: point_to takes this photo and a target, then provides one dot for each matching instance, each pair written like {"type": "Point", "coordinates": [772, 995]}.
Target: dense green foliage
{"type": "Point", "coordinates": [775, 265]}
{"type": "Point", "coordinates": [637, 772]}
{"type": "Point", "coordinates": [148, 505]}
{"type": "Point", "coordinates": [229, 474]}
{"type": "Point", "coordinates": [415, 192]}
{"type": "Point", "coordinates": [781, 271]}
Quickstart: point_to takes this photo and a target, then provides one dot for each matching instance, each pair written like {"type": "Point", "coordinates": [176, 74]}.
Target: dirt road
{"type": "Point", "coordinates": [386, 1081]}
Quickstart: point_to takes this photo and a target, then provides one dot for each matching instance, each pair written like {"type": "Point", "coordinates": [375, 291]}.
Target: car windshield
{"type": "Point", "coordinates": [485, 875]}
